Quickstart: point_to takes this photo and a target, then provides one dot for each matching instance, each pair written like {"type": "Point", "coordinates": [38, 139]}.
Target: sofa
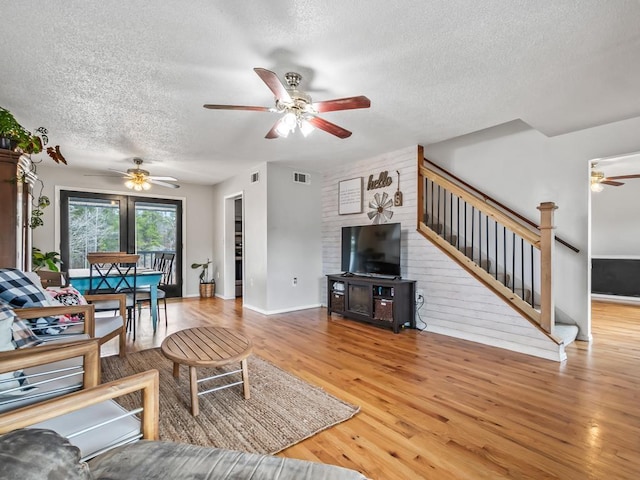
{"type": "Point", "coordinates": [107, 442]}
{"type": "Point", "coordinates": [35, 454]}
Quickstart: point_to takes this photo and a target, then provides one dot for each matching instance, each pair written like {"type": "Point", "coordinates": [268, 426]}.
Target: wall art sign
{"type": "Point", "coordinates": [383, 180]}
{"type": "Point", "coordinates": [350, 196]}
{"type": "Point", "coordinates": [397, 198]}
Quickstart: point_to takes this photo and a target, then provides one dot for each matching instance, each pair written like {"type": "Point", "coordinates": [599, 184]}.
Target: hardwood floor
{"type": "Point", "coordinates": [434, 407]}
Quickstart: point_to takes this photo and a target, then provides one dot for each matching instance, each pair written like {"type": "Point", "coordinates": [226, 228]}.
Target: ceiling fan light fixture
{"type": "Point", "coordinates": [306, 128]}
{"type": "Point", "coordinates": [282, 130]}
{"type": "Point", "coordinates": [138, 183]}
{"type": "Point", "coordinates": [596, 187]}
{"type": "Point", "coordinates": [289, 120]}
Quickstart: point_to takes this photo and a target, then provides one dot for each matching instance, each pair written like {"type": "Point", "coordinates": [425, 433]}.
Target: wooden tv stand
{"type": "Point", "coordinates": [380, 301]}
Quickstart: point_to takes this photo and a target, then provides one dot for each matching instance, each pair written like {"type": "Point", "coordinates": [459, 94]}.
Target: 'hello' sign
{"type": "Point", "coordinates": [384, 180]}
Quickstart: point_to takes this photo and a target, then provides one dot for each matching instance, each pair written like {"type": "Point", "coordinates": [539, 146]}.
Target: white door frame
{"type": "Point", "coordinates": [229, 246]}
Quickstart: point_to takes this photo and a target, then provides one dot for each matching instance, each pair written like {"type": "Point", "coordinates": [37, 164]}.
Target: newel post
{"type": "Point", "coordinates": [547, 245]}
{"type": "Point", "coordinates": [421, 192]}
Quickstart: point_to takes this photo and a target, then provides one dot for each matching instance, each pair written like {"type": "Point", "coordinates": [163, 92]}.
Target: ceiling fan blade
{"type": "Point", "coordinates": [236, 107]}
{"type": "Point", "coordinates": [329, 127]}
{"type": "Point", "coordinates": [273, 133]}
{"type": "Point", "coordinates": [163, 184]}
{"type": "Point", "coordinates": [274, 84]}
{"type": "Point", "coordinates": [611, 182]}
{"type": "Point", "coordinates": [622, 177]}
{"type": "Point", "coordinates": [170, 179]}
{"type": "Point", "coordinates": [349, 103]}
{"type": "Point", "coordinates": [120, 172]}
{"type": "Point", "coordinates": [101, 175]}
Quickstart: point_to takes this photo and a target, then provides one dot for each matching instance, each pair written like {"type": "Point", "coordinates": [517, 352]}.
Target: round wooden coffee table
{"type": "Point", "coordinates": [208, 347]}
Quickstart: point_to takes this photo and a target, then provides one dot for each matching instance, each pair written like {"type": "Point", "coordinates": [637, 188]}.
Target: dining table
{"type": "Point", "coordinates": [80, 279]}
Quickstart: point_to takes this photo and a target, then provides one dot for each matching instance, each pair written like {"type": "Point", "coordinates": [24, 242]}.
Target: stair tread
{"type": "Point", "coordinates": [567, 333]}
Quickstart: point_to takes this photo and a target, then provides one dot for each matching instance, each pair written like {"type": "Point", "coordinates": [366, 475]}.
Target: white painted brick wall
{"type": "Point", "coordinates": [456, 304]}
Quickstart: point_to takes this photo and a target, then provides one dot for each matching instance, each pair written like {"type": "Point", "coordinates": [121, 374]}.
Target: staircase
{"type": "Point", "coordinates": [510, 255]}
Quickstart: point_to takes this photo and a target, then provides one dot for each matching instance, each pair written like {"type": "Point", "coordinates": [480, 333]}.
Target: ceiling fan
{"type": "Point", "coordinates": [598, 179]}
{"type": "Point", "coordinates": [297, 108]}
{"type": "Point", "coordinates": [139, 179]}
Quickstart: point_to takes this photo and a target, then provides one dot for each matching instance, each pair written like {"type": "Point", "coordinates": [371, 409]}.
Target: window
{"type": "Point", "coordinates": [94, 222]}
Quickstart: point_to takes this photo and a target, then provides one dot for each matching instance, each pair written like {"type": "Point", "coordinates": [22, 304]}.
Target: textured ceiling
{"type": "Point", "coordinates": [113, 80]}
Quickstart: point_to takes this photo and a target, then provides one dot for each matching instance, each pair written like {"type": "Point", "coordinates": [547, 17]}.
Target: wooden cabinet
{"type": "Point", "coordinates": [383, 302]}
{"type": "Point", "coordinates": [15, 241]}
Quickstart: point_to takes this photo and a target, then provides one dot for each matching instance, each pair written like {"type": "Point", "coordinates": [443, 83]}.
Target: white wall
{"type": "Point", "coordinates": [456, 303]}
{"type": "Point", "coordinates": [197, 216]}
{"type": "Point", "coordinates": [294, 242]}
{"type": "Point", "coordinates": [281, 239]}
{"type": "Point", "coordinates": [404, 161]}
{"type": "Point", "coordinates": [615, 220]}
{"type": "Point", "coordinates": [254, 233]}
{"type": "Point", "coordinates": [522, 168]}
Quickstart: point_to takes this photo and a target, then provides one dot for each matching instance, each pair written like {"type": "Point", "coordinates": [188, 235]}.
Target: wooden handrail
{"type": "Point", "coordinates": [541, 238]}
{"type": "Point", "coordinates": [502, 218]}
{"type": "Point", "coordinates": [487, 198]}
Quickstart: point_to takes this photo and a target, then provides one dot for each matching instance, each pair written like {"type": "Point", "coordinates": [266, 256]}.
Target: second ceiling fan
{"type": "Point", "coordinates": [297, 108]}
{"type": "Point", "coordinates": [598, 179]}
{"type": "Point", "coordinates": [139, 179]}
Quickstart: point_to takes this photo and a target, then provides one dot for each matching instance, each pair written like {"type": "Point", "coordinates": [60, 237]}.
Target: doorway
{"type": "Point", "coordinates": [234, 247]}
{"type": "Point", "coordinates": [238, 245]}
{"type": "Point", "coordinates": [97, 222]}
{"type": "Point", "coordinates": [614, 225]}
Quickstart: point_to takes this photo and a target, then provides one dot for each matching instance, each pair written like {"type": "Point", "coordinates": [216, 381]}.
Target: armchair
{"type": "Point", "coordinates": [24, 292]}
{"type": "Point", "coordinates": [88, 417]}
{"type": "Point", "coordinates": [49, 371]}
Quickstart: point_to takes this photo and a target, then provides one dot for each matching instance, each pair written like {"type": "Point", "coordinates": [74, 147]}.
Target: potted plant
{"type": "Point", "coordinates": [40, 259]}
{"type": "Point", "coordinates": [14, 136]}
{"type": "Point", "coordinates": [207, 285]}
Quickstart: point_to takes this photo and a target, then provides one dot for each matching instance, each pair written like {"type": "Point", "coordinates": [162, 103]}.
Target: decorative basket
{"type": "Point", "coordinates": [207, 290]}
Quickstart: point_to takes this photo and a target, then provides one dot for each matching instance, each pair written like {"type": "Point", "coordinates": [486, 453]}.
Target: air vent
{"type": "Point", "coordinates": [299, 177]}
{"type": "Point", "coordinates": [255, 177]}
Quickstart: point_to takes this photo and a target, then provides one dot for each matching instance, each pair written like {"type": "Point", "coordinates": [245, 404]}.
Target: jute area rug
{"type": "Point", "coordinates": [282, 411]}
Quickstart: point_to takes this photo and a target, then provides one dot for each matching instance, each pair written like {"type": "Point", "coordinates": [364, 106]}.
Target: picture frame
{"type": "Point", "coordinates": [350, 196]}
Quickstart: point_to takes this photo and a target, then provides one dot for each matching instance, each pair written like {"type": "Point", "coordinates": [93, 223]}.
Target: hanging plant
{"type": "Point", "coordinates": [14, 136]}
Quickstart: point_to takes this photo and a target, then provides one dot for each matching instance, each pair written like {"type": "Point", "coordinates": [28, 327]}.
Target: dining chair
{"type": "Point", "coordinates": [114, 272]}
{"type": "Point", "coordinates": [163, 262]}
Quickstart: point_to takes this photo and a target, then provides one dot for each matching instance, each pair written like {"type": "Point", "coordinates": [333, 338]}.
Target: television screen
{"type": "Point", "coordinates": [371, 249]}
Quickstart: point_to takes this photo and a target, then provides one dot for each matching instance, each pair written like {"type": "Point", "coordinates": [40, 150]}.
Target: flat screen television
{"type": "Point", "coordinates": [371, 249]}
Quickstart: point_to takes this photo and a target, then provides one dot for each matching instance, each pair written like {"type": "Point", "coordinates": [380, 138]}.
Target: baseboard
{"type": "Point", "coordinates": [282, 310]}
{"type": "Point", "coordinates": [615, 299]}
{"type": "Point", "coordinates": [556, 355]}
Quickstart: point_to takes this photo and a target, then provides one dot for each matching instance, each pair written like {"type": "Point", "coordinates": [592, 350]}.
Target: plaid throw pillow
{"type": "Point", "coordinates": [11, 383]}
{"type": "Point", "coordinates": [22, 335]}
{"type": "Point", "coordinates": [18, 290]}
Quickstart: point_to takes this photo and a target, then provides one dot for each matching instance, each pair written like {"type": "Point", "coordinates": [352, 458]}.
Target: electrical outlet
{"type": "Point", "coordinates": [295, 281]}
{"type": "Point", "coordinates": [419, 294]}
{"type": "Point", "coordinates": [218, 275]}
